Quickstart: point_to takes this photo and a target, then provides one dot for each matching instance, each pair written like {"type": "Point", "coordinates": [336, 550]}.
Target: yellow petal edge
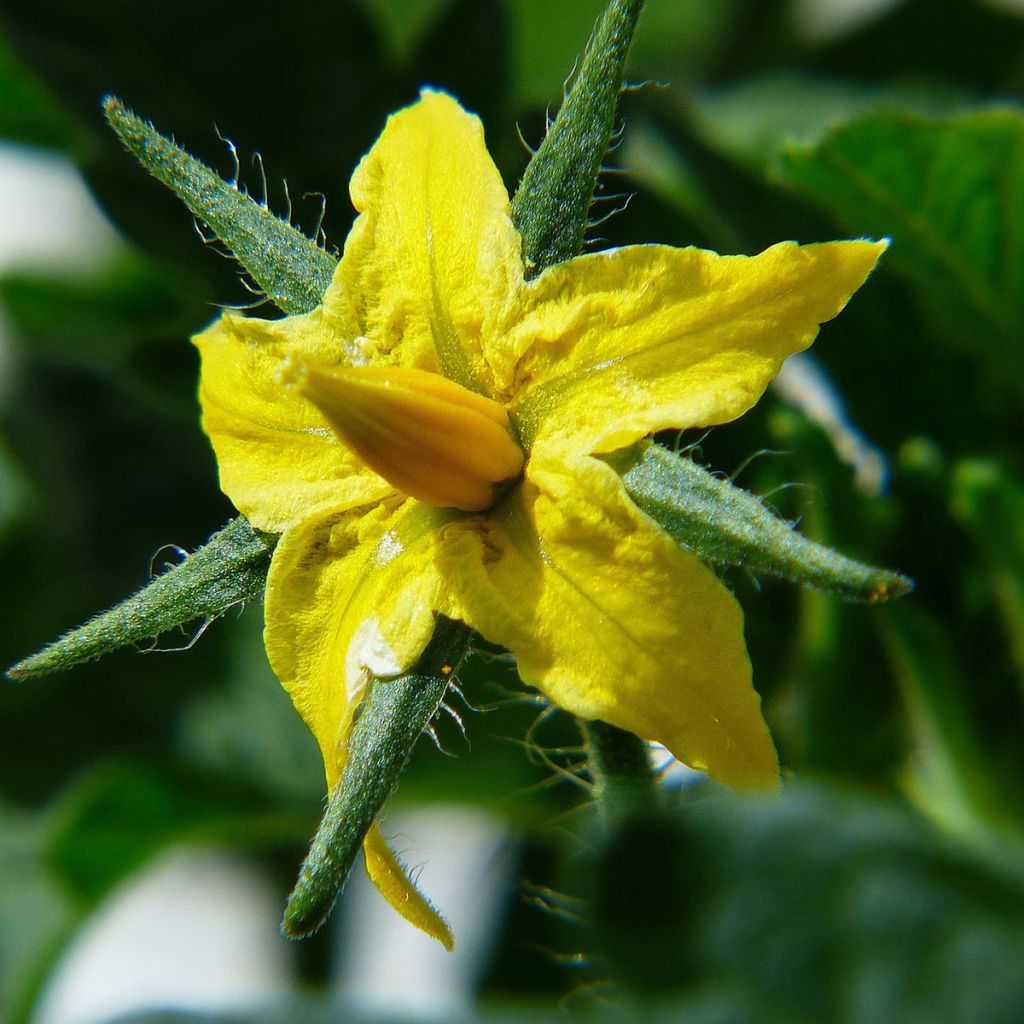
{"type": "Point", "coordinates": [392, 882]}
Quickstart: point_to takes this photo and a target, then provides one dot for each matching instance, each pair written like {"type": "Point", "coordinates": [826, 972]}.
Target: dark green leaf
{"type": "Point", "coordinates": [35, 914]}
{"type": "Point", "coordinates": [27, 113]}
{"type": "Point", "coordinates": [753, 119]}
{"type": "Point", "coordinates": [813, 906]}
{"type": "Point", "coordinates": [948, 192]}
{"type": "Point", "coordinates": [951, 774]}
{"type": "Point", "coordinates": [115, 821]}
{"type": "Point", "coordinates": [989, 501]}
{"type": "Point", "coordinates": [98, 318]}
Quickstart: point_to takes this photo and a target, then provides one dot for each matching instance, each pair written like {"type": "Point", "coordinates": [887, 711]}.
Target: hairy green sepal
{"type": "Point", "coordinates": [229, 569]}
{"type": "Point", "coordinates": [390, 720]}
{"type": "Point", "coordinates": [726, 525]}
{"type": "Point", "coordinates": [291, 269]}
{"type": "Point", "coordinates": [552, 204]}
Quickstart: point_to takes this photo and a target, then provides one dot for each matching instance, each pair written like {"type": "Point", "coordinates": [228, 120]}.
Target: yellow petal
{"type": "Point", "coordinates": [611, 619]}
{"type": "Point", "coordinates": [622, 343]}
{"type": "Point", "coordinates": [433, 258]}
{"type": "Point", "coordinates": [349, 594]}
{"type": "Point", "coordinates": [279, 460]}
{"type": "Point", "coordinates": [428, 436]}
{"type": "Point", "coordinates": [393, 883]}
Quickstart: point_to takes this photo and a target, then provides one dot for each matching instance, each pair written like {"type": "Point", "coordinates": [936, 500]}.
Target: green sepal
{"type": "Point", "coordinates": [291, 269]}
{"type": "Point", "coordinates": [726, 525]}
{"type": "Point", "coordinates": [229, 569]}
{"type": "Point", "coordinates": [294, 272]}
{"type": "Point", "coordinates": [551, 206]}
{"type": "Point", "coordinates": [390, 720]}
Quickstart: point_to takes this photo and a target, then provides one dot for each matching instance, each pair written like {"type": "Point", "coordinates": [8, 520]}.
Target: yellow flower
{"type": "Point", "coordinates": [605, 614]}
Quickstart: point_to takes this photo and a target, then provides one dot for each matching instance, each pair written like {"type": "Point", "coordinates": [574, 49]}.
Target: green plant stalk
{"type": "Point", "coordinates": [621, 772]}
{"type": "Point", "coordinates": [390, 720]}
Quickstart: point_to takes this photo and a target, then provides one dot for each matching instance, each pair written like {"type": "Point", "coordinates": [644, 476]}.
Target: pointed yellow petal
{"type": "Point", "coordinates": [393, 883]}
{"type": "Point", "coordinates": [433, 257]}
{"type": "Point", "coordinates": [611, 619]}
{"type": "Point", "coordinates": [428, 436]}
{"type": "Point", "coordinates": [279, 460]}
{"type": "Point", "coordinates": [349, 594]}
{"type": "Point", "coordinates": [622, 343]}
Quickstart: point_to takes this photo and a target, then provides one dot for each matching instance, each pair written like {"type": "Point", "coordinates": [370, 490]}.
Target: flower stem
{"type": "Point", "coordinates": [620, 768]}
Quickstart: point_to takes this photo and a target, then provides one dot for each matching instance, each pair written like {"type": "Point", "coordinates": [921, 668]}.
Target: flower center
{"type": "Point", "coordinates": [428, 436]}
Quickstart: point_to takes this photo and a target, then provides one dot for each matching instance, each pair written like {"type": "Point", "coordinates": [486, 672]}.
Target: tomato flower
{"type": "Point", "coordinates": [429, 440]}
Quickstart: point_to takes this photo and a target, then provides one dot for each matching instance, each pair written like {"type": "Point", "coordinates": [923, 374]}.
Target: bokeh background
{"type": "Point", "coordinates": [154, 806]}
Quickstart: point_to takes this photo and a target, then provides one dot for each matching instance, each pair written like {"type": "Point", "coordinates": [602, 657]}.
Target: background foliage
{"type": "Point", "coordinates": [888, 885]}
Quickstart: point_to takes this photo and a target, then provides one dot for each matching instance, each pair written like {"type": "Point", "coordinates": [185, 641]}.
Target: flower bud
{"type": "Point", "coordinates": [428, 436]}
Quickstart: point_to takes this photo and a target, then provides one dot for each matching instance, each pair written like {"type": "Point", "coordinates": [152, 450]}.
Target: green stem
{"type": "Point", "coordinates": [391, 718]}
{"type": "Point", "coordinates": [620, 769]}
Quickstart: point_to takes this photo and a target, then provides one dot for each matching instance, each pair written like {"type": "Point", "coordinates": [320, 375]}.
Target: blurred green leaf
{"type": "Point", "coordinates": [545, 49]}
{"type": "Point", "coordinates": [949, 194]}
{"type": "Point", "coordinates": [35, 914]}
{"type": "Point", "coordinates": [247, 732]}
{"type": "Point", "coordinates": [753, 119]}
{"type": "Point", "coordinates": [14, 490]}
{"type": "Point", "coordinates": [402, 23]}
{"type": "Point", "coordinates": [990, 503]}
{"type": "Point", "coordinates": [116, 820]}
{"type": "Point", "coordinates": [831, 649]}
{"type": "Point", "coordinates": [951, 773]}
{"type": "Point", "coordinates": [27, 113]}
{"type": "Point", "coordinates": [814, 906]}
{"type": "Point", "coordinates": [97, 319]}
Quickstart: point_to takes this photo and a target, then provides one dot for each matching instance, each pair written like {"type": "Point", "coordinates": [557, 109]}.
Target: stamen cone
{"type": "Point", "coordinates": [428, 436]}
